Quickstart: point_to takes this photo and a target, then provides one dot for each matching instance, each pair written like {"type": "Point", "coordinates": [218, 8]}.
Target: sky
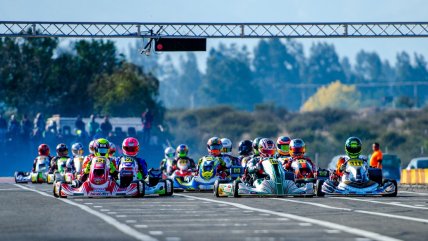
{"type": "Point", "coordinates": [231, 11]}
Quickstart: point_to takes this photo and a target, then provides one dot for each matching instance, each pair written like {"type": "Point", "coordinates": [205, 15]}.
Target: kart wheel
{"type": "Point", "coordinates": [216, 184]}
{"type": "Point", "coordinates": [394, 182]}
{"type": "Point", "coordinates": [60, 189]}
{"type": "Point", "coordinates": [171, 183]}
{"type": "Point", "coordinates": [142, 189]}
{"type": "Point", "coordinates": [236, 188]}
{"type": "Point", "coordinates": [375, 174]}
{"type": "Point", "coordinates": [318, 188]}
{"type": "Point", "coordinates": [54, 189]}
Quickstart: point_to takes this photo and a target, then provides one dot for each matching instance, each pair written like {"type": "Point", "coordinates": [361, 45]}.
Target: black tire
{"type": "Point", "coordinates": [318, 188]}
{"type": "Point", "coordinates": [170, 193]}
{"type": "Point", "coordinates": [138, 189]}
{"type": "Point", "coordinates": [375, 174]}
{"type": "Point", "coordinates": [143, 188]}
{"type": "Point", "coordinates": [54, 193]}
{"type": "Point", "coordinates": [216, 184]}
{"type": "Point", "coordinates": [289, 176]}
{"type": "Point", "coordinates": [394, 182]}
{"type": "Point", "coordinates": [236, 188]}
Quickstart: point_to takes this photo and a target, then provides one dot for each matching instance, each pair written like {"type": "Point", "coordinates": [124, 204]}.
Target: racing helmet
{"type": "Point", "coordinates": [256, 145]}
{"type": "Point", "coordinates": [214, 146]}
{"type": "Point", "coordinates": [102, 147]}
{"type": "Point", "coordinates": [77, 149]}
{"type": "Point", "coordinates": [245, 147]}
{"type": "Point", "coordinates": [297, 148]}
{"type": "Point", "coordinates": [266, 147]}
{"type": "Point", "coordinates": [182, 150]}
{"type": "Point", "coordinates": [112, 150]}
{"type": "Point", "coordinates": [44, 150]}
{"type": "Point", "coordinates": [169, 152]}
{"type": "Point", "coordinates": [283, 145]}
{"type": "Point", "coordinates": [227, 146]}
{"type": "Point", "coordinates": [353, 147]}
{"type": "Point", "coordinates": [62, 150]}
{"type": "Point", "coordinates": [91, 147]}
{"type": "Point", "coordinates": [130, 146]}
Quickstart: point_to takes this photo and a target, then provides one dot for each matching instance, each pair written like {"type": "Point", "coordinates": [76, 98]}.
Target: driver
{"type": "Point", "coordinates": [169, 158]}
{"type": "Point", "coordinates": [254, 170]}
{"type": "Point", "coordinates": [353, 150]}
{"type": "Point", "coordinates": [43, 151]}
{"type": "Point", "coordinates": [89, 157]}
{"type": "Point", "coordinates": [130, 148]}
{"type": "Point", "coordinates": [182, 156]}
{"type": "Point", "coordinates": [283, 148]}
{"type": "Point", "coordinates": [62, 153]}
{"type": "Point", "coordinates": [101, 149]}
{"type": "Point", "coordinates": [214, 150]}
{"type": "Point", "coordinates": [226, 153]}
{"type": "Point", "coordinates": [245, 150]}
{"type": "Point", "coordinates": [297, 152]}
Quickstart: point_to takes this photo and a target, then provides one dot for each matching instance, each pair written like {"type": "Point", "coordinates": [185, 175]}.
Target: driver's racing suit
{"type": "Point", "coordinates": [141, 164]}
{"type": "Point", "coordinates": [221, 167]}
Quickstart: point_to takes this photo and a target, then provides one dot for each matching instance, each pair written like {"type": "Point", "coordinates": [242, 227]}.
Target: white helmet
{"type": "Point", "coordinates": [227, 146]}
{"type": "Point", "coordinates": [92, 147]}
{"type": "Point", "coordinates": [169, 152]}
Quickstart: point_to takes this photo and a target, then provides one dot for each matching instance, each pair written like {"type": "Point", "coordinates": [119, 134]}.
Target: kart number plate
{"type": "Point", "coordinates": [356, 163]}
{"type": "Point", "coordinates": [274, 162]}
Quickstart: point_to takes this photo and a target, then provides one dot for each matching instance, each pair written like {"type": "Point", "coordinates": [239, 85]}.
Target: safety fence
{"type": "Point", "coordinates": [414, 177]}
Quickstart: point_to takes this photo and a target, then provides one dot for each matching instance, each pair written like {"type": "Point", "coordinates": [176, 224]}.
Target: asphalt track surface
{"type": "Point", "coordinates": [30, 212]}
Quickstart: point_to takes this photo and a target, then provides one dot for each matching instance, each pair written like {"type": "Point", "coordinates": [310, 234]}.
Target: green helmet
{"type": "Point", "coordinates": [102, 147]}
{"type": "Point", "coordinates": [353, 147]}
{"type": "Point", "coordinates": [256, 142]}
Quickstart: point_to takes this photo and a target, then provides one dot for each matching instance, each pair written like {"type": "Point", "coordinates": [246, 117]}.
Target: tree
{"type": "Point", "coordinates": [229, 79]}
{"type": "Point", "coordinates": [190, 77]}
{"type": "Point", "coordinates": [169, 79]}
{"type": "Point", "coordinates": [276, 64]}
{"type": "Point", "coordinates": [335, 95]}
{"type": "Point", "coordinates": [368, 67]}
{"type": "Point", "coordinates": [126, 92]}
{"type": "Point", "coordinates": [323, 64]}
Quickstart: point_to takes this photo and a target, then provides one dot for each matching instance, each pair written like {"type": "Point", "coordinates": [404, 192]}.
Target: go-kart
{"type": "Point", "coordinates": [39, 175]}
{"type": "Point", "coordinates": [182, 176]}
{"type": "Point", "coordinates": [99, 184]}
{"type": "Point", "coordinates": [304, 173]}
{"type": "Point", "coordinates": [277, 182]}
{"type": "Point", "coordinates": [78, 163]}
{"type": "Point", "coordinates": [204, 179]}
{"type": "Point", "coordinates": [128, 173]}
{"type": "Point", "coordinates": [59, 175]}
{"type": "Point", "coordinates": [358, 179]}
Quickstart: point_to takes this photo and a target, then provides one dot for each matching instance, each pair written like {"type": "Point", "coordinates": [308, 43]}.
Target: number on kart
{"type": "Point", "coordinates": [356, 163]}
{"type": "Point", "coordinates": [274, 162]}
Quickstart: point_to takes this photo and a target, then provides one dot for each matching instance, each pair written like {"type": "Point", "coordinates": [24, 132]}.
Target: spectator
{"type": "Point", "coordinates": [147, 119]}
{"type": "Point", "coordinates": [93, 126]}
{"type": "Point", "coordinates": [14, 128]}
{"type": "Point", "coordinates": [26, 127]}
{"type": "Point", "coordinates": [3, 129]}
{"type": "Point", "coordinates": [79, 124]}
{"type": "Point", "coordinates": [39, 127]}
{"type": "Point", "coordinates": [106, 127]}
{"type": "Point", "coordinates": [376, 158]}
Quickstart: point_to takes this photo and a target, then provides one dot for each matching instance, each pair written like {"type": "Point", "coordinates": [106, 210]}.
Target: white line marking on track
{"type": "Point", "coordinates": [155, 232]}
{"type": "Point", "coordinates": [10, 189]}
{"type": "Point", "coordinates": [305, 224]}
{"type": "Point", "coordinates": [113, 222]}
{"type": "Point", "coordinates": [140, 226]}
{"type": "Point", "coordinates": [112, 212]}
{"type": "Point", "coordinates": [130, 221]}
{"type": "Point", "coordinates": [98, 206]}
{"type": "Point", "coordinates": [343, 228]}
{"type": "Point", "coordinates": [88, 203]}
{"type": "Point", "coordinates": [313, 204]}
{"type": "Point", "coordinates": [104, 210]}
{"type": "Point", "coordinates": [420, 220]}
{"type": "Point", "coordinates": [379, 202]}
{"type": "Point", "coordinates": [331, 231]}
{"type": "Point", "coordinates": [283, 219]}
{"type": "Point", "coordinates": [418, 193]}
{"type": "Point", "coordinates": [121, 216]}
{"type": "Point", "coordinates": [419, 205]}
{"type": "Point", "coordinates": [172, 239]}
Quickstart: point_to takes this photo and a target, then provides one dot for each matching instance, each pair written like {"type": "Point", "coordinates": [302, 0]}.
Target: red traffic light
{"type": "Point", "coordinates": [181, 44]}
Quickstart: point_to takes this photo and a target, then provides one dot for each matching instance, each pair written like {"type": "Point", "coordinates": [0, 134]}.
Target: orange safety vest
{"type": "Point", "coordinates": [376, 159]}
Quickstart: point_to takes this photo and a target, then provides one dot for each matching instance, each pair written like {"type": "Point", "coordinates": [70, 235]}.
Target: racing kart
{"type": "Point", "coordinates": [39, 175]}
{"type": "Point", "coordinates": [277, 182]}
{"type": "Point", "coordinates": [358, 179]}
{"type": "Point", "coordinates": [304, 173]}
{"type": "Point", "coordinates": [60, 174]}
{"type": "Point", "coordinates": [100, 184]}
{"type": "Point", "coordinates": [203, 180]}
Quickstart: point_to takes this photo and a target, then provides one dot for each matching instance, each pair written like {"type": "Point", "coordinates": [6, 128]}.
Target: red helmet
{"type": "Point", "coordinates": [44, 150]}
{"type": "Point", "coordinates": [297, 148]}
{"type": "Point", "coordinates": [214, 146]}
{"type": "Point", "coordinates": [130, 146]}
{"type": "Point", "coordinates": [266, 147]}
{"type": "Point", "coordinates": [283, 145]}
{"type": "Point", "coordinates": [112, 149]}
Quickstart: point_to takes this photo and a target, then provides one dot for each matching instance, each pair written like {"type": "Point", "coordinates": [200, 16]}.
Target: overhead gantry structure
{"type": "Point", "coordinates": [213, 30]}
